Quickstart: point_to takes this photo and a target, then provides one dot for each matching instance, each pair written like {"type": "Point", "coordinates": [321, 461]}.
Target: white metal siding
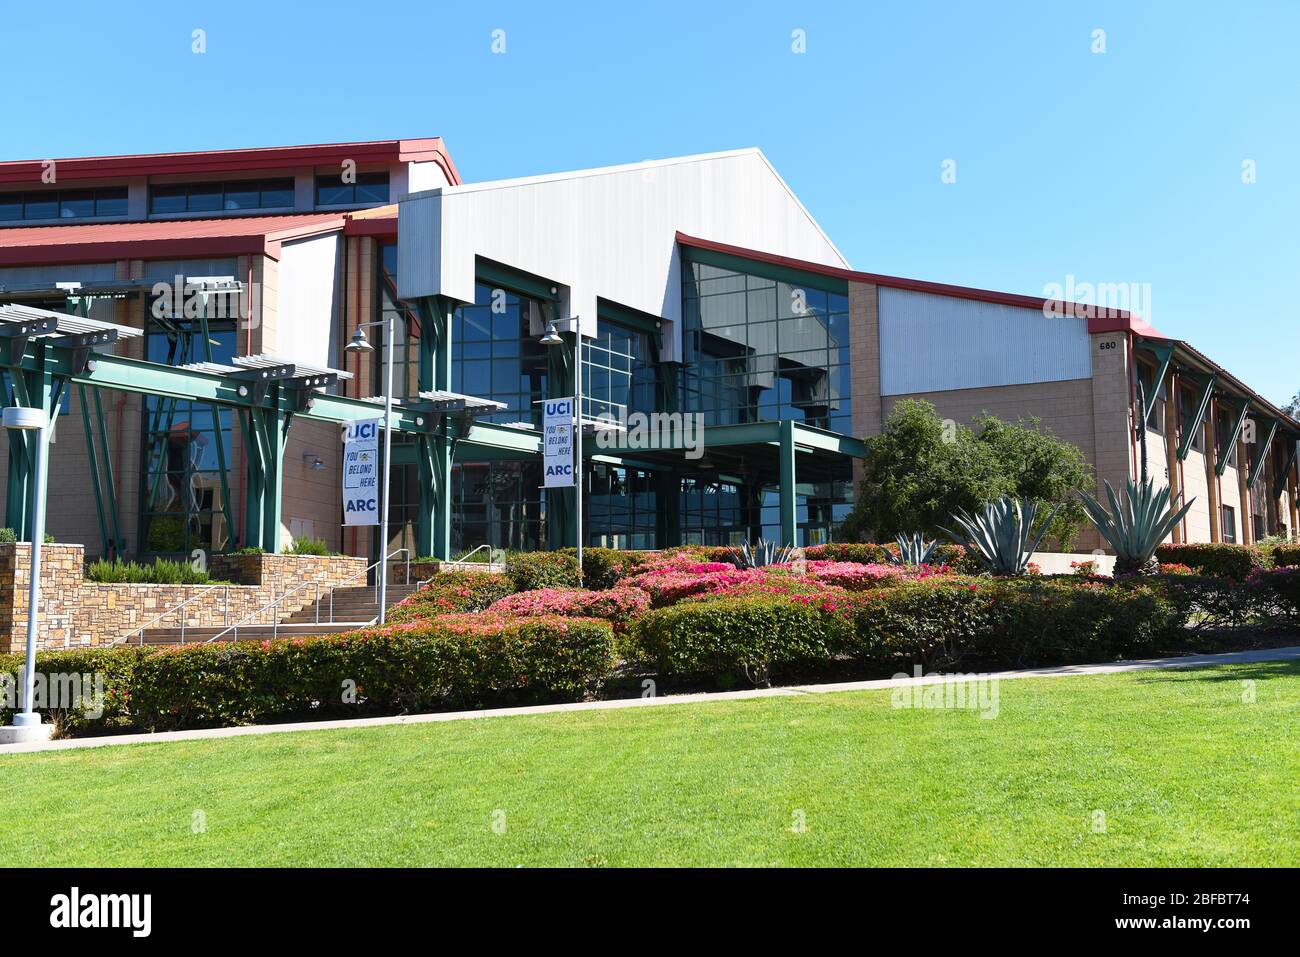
{"type": "Point", "coordinates": [307, 318]}
{"type": "Point", "coordinates": [932, 343]}
{"type": "Point", "coordinates": [604, 233]}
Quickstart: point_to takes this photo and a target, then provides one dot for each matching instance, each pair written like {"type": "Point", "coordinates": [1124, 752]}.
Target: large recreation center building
{"type": "Point", "coordinates": [199, 379]}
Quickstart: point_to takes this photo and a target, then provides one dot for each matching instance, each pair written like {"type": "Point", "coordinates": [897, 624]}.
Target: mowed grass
{"type": "Point", "coordinates": [1184, 770]}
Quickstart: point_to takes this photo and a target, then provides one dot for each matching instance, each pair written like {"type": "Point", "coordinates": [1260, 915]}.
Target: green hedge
{"type": "Point", "coordinates": [753, 636]}
{"type": "Point", "coordinates": [1279, 588]}
{"type": "Point", "coordinates": [423, 666]}
{"type": "Point", "coordinates": [603, 567]}
{"type": "Point", "coordinates": [451, 593]}
{"type": "Point", "coordinates": [1237, 562]}
{"type": "Point", "coordinates": [528, 571]}
{"type": "Point", "coordinates": [1284, 555]}
{"type": "Point", "coordinates": [1026, 622]}
{"type": "Point", "coordinates": [115, 665]}
{"type": "Point", "coordinates": [865, 553]}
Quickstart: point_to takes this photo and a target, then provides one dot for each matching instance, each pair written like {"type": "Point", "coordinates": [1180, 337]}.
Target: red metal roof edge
{"type": "Point", "coordinates": [429, 149]}
{"type": "Point", "coordinates": [242, 237]}
{"type": "Point", "coordinates": [1100, 318]}
{"type": "Point", "coordinates": [1109, 320]}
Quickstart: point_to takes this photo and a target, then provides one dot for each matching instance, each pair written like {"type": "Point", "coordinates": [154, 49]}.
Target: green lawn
{"type": "Point", "coordinates": [1185, 772]}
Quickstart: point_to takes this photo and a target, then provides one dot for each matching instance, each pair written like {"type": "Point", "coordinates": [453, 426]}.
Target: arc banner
{"type": "Point", "coordinates": [557, 443]}
{"type": "Point", "coordinates": [361, 472]}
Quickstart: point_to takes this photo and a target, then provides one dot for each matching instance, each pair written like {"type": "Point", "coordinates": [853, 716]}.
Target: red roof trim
{"type": "Point", "coordinates": [430, 149]}
{"type": "Point", "coordinates": [156, 239]}
{"type": "Point", "coordinates": [1100, 319]}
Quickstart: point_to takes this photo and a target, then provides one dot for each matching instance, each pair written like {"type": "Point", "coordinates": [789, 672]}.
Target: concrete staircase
{"type": "Point", "coordinates": [354, 606]}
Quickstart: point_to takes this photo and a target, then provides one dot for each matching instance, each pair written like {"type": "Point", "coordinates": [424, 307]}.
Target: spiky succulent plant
{"type": "Point", "coordinates": [913, 549]}
{"type": "Point", "coordinates": [1136, 526]}
{"type": "Point", "coordinates": [1000, 534]}
{"type": "Point", "coordinates": [759, 555]}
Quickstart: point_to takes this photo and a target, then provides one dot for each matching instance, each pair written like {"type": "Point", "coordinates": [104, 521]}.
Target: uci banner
{"type": "Point", "coordinates": [557, 442]}
{"type": "Point", "coordinates": [361, 472]}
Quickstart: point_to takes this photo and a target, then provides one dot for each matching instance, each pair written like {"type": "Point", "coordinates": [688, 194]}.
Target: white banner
{"type": "Point", "coordinates": [361, 472]}
{"type": "Point", "coordinates": [557, 442]}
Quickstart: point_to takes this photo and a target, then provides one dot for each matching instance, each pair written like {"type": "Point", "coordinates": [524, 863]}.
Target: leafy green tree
{"type": "Point", "coordinates": [920, 470]}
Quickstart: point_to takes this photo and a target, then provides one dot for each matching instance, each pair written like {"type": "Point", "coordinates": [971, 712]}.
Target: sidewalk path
{"type": "Point", "coordinates": [1184, 661]}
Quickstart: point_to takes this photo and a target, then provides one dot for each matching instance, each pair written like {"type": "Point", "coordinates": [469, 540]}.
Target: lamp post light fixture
{"type": "Point", "coordinates": [550, 339]}
{"type": "Point", "coordinates": [27, 723]}
{"type": "Point", "coordinates": [361, 345]}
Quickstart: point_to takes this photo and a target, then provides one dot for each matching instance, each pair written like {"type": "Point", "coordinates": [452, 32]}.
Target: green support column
{"type": "Point", "coordinates": [255, 454]}
{"type": "Point", "coordinates": [39, 390]}
{"type": "Point", "coordinates": [786, 479]}
{"type": "Point", "coordinates": [434, 451]}
{"type": "Point", "coordinates": [277, 430]}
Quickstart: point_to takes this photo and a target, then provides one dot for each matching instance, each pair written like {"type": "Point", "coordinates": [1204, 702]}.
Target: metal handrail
{"type": "Point", "coordinates": [157, 618]}
{"type": "Point", "coordinates": [460, 563]}
{"type": "Point", "coordinates": [275, 619]}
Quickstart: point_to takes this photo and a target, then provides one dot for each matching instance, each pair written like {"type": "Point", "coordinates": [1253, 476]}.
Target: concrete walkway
{"type": "Point", "coordinates": [1185, 661]}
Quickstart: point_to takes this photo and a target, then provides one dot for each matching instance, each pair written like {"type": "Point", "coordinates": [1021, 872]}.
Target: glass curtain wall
{"type": "Point", "coordinates": [762, 349]}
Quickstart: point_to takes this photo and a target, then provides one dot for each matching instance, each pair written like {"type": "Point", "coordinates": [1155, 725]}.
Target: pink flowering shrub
{"type": "Point", "coordinates": [618, 605]}
{"type": "Point", "coordinates": [859, 577]}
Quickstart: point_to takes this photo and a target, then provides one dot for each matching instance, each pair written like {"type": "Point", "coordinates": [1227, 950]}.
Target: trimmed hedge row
{"type": "Point", "coordinates": [528, 571]}
{"type": "Point", "coordinates": [451, 593]}
{"type": "Point", "coordinates": [936, 622]}
{"type": "Point", "coordinates": [417, 667]}
{"type": "Point", "coordinates": [1237, 562]}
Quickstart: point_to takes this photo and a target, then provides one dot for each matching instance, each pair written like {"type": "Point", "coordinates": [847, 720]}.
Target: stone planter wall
{"type": "Point", "coordinates": [78, 614]}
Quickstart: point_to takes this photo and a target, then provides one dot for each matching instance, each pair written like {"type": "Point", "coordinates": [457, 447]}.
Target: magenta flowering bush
{"type": "Point", "coordinates": [863, 577]}
{"type": "Point", "coordinates": [618, 605]}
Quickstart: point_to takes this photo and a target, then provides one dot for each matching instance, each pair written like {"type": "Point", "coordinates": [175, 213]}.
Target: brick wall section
{"type": "Point", "coordinates": [864, 358]}
{"type": "Point", "coordinates": [79, 614]}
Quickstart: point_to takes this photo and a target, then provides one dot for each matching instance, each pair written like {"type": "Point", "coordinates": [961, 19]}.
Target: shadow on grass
{"type": "Point", "coordinates": [1244, 671]}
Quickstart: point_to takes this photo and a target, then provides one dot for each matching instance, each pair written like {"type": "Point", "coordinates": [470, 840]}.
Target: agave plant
{"type": "Point", "coordinates": [1001, 534]}
{"type": "Point", "coordinates": [1137, 526]}
{"type": "Point", "coordinates": [759, 555]}
{"type": "Point", "coordinates": [912, 550]}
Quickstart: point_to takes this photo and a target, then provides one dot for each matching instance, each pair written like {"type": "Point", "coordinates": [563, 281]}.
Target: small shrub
{"type": "Point", "coordinates": [618, 606]}
{"type": "Point", "coordinates": [1237, 562]}
{"type": "Point", "coordinates": [161, 572]}
{"type": "Point", "coordinates": [860, 552]}
{"type": "Point", "coordinates": [310, 546]}
{"type": "Point", "coordinates": [1285, 555]}
{"type": "Point", "coordinates": [8, 536]}
{"type": "Point", "coordinates": [1279, 590]}
{"type": "Point", "coordinates": [108, 669]}
{"type": "Point", "coordinates": [756, 636]}
{"type": "Point", "coordinates": [603, 567]}
{"type": "Point", "coordinates": [529, 571]}
{"type": "Point", "coordinates": [451, 593]}
{"type": "Point", "coordinates": [931, 623]}
{"type": "Point", "coordinates": [1211, 602]}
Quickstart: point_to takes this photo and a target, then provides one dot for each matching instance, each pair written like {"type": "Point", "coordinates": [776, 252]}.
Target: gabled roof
{"type": "Point", "coordinates": [160, 239]}
{"type": "Point", "coordinates": [429, 149]}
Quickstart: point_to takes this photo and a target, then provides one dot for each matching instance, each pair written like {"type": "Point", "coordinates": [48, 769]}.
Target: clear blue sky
{"type": "Point", "coordinates": [1115, 167]}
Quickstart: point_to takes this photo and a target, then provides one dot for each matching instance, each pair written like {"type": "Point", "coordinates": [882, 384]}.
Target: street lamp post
{"type": "Point", "coordinates": [552, 338]}
{"type": "Point", "coordinates": [27, 723]}
{"type": "Point", "coordinates": [359, 344]}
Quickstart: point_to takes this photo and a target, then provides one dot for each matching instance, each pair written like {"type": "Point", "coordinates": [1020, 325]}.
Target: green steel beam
{"type": "Point", "coordinates": [92, 455]}
{"type": "Point", "coordinates": [1280, 483]}
{"type": "Point", "coordinates": [824, 440]}
{"type": "Point", "coordinates": [1164, 353]}
{"type": "Point", "coordinates": [501, 276]}
{"type": "Point", "coordinates": [1203, 403]}
{"type": "Point", "coordinates": [1260, 460]}
{"type": "Point", "coordinates": [1231, 444]}
{"type": "Point", "coordinates": [110, 482]}
{"type": "Point", "coordinates": [787, 482]}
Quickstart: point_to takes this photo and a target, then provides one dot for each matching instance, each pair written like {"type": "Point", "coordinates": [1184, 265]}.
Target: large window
{"type": "Point", "coordinates": [496, 356]}
{"type": "Point", "coordinates": [621, 509]}
{"type": "Point", "coordinates": [406, 332]}
{"type": "Point", "coordinates": [1223, 423]}
{"type": "Point", "coordinates": [713, 512]}
{"type": "Point", "coordinates": [760, 349]}
{"type": "Point", "coordinates": [363, 189]}
{"type": "Point", "coordinates": [619, 371]}
{"type": "Point", "coordinates": [499, 504]}
{"type": "Point", "coordinates": [218, 197]}
{"type": "Point", "coordinates": [1146, 375]}
{"type": "Point", "coordinates": [184, 490]}
{"type": "Point", "coordinates": [63, 204]}
{"type": "Point", "coordinates": [1229, 524]}
{"type": "Point", "coordinates": [1187, 397]}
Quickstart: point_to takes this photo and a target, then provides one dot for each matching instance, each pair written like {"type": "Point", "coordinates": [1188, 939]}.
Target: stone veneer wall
{"type": "Point", "coordinates": [79, 614]}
